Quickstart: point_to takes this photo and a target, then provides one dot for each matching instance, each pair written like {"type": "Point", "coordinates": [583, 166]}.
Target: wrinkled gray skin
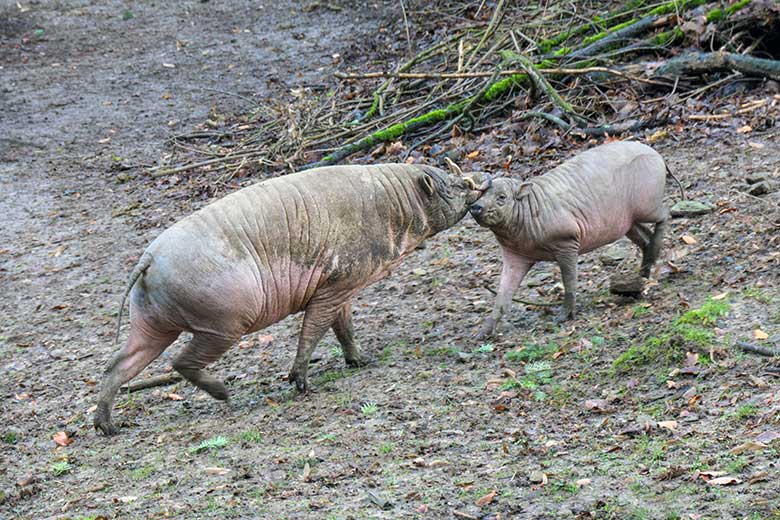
{"type": "Point", "coordinates": [309, 241]}
{"type": "Point", "coordinates": [587, 202]}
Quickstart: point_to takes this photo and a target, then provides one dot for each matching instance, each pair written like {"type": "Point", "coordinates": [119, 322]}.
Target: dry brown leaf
{"type": "Point", "coordinates": [62, 439]}
{"type": "Point", "coordinates": [657, 136]}
{"type": "Point", "coordinates": [485, 500]}
{"type": "Point", "coordinates": [583, 482]}
{"type": "Point", "coordinates": [711, 474]}
{"type": "Point", "coordinates": [760, 334]}
{"type": "Point", "coordinates": [720, 296]}
{"type": "Point", "coordinates": [597, 405]}
{"type": "Point", "coordinates": [724, 481]}
{"type": "Point", "coordinates": [688, 239]}
{"type": "Point", "coordinates": [748, 446]}
{"type": "Point", "coordinates": [174, 397]}
{"type": "Point", "coordinates": [472, 155]}
{"type": "Point", "coordinates": [744, 129]}
{"type": "Point", "coordinates": [213, 470]}
{"type": "Point", "coordinates": [669, 425]}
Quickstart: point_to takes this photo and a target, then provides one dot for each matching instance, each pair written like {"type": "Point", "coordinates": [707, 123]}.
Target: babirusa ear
{"type": "Point", "coordinates": [454, 168]}
{"type": "Point", "coordinates": [426, 183]}
{"type": "Point", "coordinates": [523, 190]}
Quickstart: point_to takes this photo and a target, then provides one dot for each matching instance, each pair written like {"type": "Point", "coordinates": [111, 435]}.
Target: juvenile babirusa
{"type": "Point", "coordinates": [599, 196]}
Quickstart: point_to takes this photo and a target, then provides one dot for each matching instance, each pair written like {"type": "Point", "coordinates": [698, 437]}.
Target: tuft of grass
{"type": "Point", "coordinates": [213, 443]}
{"type": "Point", "coordinates": [531, 353]}
{"type": "Point", "coordinates": [386, 448]}
{"type": "Point", "coordinates": [746, 411]}
{"type": "Point", "coordinates": [10, 438]}
{"type": "Point", "coordinates": [252, 436]}
{"type": "Point", "coordinates": [60, 468]}
{"type": "Point", "coordinates": [707, 314]}
{"type": "Point", "coordinates": [142, 472]}
{"type": "Point", "coordinates": [368, 409]}
{"type": "Point", "coordinates": [485, 348]}
{"type": "Point", "coordinates": [757, 294]}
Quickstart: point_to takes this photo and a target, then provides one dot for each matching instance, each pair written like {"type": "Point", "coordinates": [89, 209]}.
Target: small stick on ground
{"type": "Point", "coordinates": [524, 302]}
{"type": "Point", "coordinates": [755, 349]}
{"type": "Point", "coordinates": [459, 514]}
{"type": "Point", "coordinates": [152, 382]}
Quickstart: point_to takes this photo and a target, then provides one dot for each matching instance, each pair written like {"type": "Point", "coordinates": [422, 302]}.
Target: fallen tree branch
{"type": "Point", "coordinates": [544, 85]}
{"type": "Point", "coordinates": [704, 62]}
{"type": "Point", "coordinates": [615, 35]}
{"type": "Point", "coordinates": [151, 382]}
{"type": "Point", "coordinates": [755, 349]}
{"type": "Point", "coordinates": [511, 72]}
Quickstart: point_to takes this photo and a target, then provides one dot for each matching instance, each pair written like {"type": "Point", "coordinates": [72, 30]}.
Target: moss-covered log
{"type": "Point", "coordinates": [706, 62]}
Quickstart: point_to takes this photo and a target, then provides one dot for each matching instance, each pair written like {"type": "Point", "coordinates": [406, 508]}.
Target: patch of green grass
{"type": "Point", "coordinates": [334, 351]}
{"type": "Point", "coordinates": [331, 376]}
{"type": "Point", "coordinates": [386, 448]}
{"type": "Point", "coordinates": [441, 351]}
{"type": "Point", "coordinates": [757, 294]}
{"type": "Point", "coordinates": [565, 487]}
{"type": "Point", "coordinates": [539, 372]}
{"type": "Point", "coordinates": [328, 437]}
{"type": "Point", "coordinates": [707, 314]}
{"type": "Point", "coordinates": [10, 438]}
{"type": "Point", "coordinates": [649, 450]}
{"type": "Point", "coordinates": [142, 472]}
{"type": "Point", "coordinates": [60, 468]}
{"type": "Point", "coordinates": [252, 436]}
{"type": "Point", "coordinates": [530, 353]}
{"type": "Point", "coordinates": [213, 443]}
{"type": "Point", "coordinates": [736, 464]}
{"type": "Point", "coordinates": [485, 348]}
{"type": "Point", "coordinates": [640, 310]}
{"type": "Point", "coordinates": [745, 412]}
{"type": "Point", "coordinates": [694, 334]}
{"type": "Point", "coordinates": [368, 409]}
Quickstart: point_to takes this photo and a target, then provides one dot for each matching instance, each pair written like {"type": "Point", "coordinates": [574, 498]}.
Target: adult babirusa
{"type": "Point", "coordinates": [599, 196]}
{"type": "Point", "coordinates": [308, 241]}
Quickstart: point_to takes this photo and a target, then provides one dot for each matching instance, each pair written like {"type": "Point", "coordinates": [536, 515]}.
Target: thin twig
{"type": "Point", "coordinates": [524, 302]}
{"type": "Point", "coordinates": [162, 380]}
{"type": "Point", "coordinates": [406, 27]}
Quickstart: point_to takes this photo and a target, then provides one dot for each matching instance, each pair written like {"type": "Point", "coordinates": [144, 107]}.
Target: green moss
{"type": "Point", "coordinates": [733, 8]}
{"type": "Point", "coordinates": [562, 51]}
{"type": "Point", "coordinates": [614, 28]}
{"type": "Point", "coordinates": [674, 6]}
{"type": "Point", "coordinates": [707, 314]}
{"type": "Point", "coordinates": [668, 37]}
{"type": "Point", "coordinates": [501, 87]}
{"type": "Point", "coordinates": [715, 15]}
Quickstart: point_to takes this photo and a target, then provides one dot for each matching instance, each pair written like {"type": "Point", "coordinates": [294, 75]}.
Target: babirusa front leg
{"type": "Point", "coordinates": [512, 273]}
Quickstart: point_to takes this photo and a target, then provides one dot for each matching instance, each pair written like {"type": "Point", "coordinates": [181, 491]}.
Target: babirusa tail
{"type": "Point", "coordinates": [140, 268]}
{"type": "Point", "coordinates": [679, 184]}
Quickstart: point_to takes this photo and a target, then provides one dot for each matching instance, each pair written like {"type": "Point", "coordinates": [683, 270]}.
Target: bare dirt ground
{"type": "Point", "coordinates": [630, 411]}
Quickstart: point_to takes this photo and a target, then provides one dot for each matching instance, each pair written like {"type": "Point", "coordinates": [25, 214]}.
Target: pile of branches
{"type": "Point", "coordinates": [565, 65]}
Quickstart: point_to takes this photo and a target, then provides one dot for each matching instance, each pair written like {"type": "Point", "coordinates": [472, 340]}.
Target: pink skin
{"type": "Point", "coordinates": [608, 192]}
{"type": "Point", "coordinates": [304, 242]}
